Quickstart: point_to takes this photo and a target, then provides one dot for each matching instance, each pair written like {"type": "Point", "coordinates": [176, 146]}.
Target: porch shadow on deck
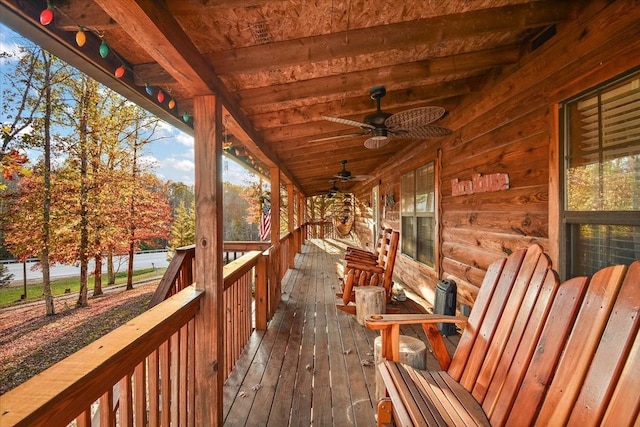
{"type": "Point", "coordinates": [314, 364]}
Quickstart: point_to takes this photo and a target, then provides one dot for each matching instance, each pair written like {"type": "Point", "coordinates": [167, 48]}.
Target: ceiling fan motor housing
{"type": "Point", "coordinates": [377, 92]}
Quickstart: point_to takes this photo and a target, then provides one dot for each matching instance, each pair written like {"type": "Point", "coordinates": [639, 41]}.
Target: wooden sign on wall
{"type": "Point", "coordinates": [480, 184]}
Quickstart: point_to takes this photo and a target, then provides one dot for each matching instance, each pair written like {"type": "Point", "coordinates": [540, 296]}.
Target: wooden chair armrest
{"type": "Point", "coordinates": [351, 250]}
{"type": "Point", "coordinates": [382, 321]}
{"type": "Point", "coordinates": [361, 259]}
{"type": "Point", "coordinates": [389, 327]}
{"type": "Point", "coordinates": [365, 267]}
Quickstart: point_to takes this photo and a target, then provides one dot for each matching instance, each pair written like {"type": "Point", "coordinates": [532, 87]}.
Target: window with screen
{"type": "Point", "coordinates": [602, 177]}
{"type": "Point", "coordinates": [418, 214]}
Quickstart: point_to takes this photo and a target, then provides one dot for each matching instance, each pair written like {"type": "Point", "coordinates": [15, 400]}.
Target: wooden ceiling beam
{"type": "Point", "coordinates": [194, 7]}
{"type": "Point", "coordinates": [153, 26]}
{"type": "Point", "coordinates": [393, 36]}
{"type": "Point", "coordinates": [395, 74]}
{"type": "Point", "coordinates": [86, 14]}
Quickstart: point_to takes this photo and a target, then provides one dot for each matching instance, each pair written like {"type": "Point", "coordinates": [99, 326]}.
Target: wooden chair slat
{"type": "Point", "coordinates": [399, 412]}
{"type": "Point", "coordinates": [624, 407]}
{"type": "Point", "coordinates": [611, 355]}
{"type": "Point", "coordinates": [581, 345]}
{"type": "Point", "coordinates": [513, 321]}
{"type": "Point", "coordinates": [476, 317]}
{"type": "Point", "coordinates": [461, 404]}
{"type": "Point", "coordinates": [544, 361]}
{"type": "Point", "coordinates": [518, 353]}
{"type": "Point", "coordinates": [421, 408]}
{"type": "Point", "coordinates": [495, 311]}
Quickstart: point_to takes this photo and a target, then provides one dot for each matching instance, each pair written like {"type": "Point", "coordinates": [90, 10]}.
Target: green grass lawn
{"type": "Point", "coordinates": [11, 295]}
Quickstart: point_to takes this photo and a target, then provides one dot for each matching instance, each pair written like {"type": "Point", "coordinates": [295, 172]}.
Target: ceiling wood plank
{"type": "Point", "coordinates": [392, 36]}
{"type": "Point", "coordinates": [357, 81]}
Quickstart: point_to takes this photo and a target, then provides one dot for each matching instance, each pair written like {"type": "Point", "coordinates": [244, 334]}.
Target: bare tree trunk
{"type": "Point", "coordinates": [132, 213]}
{"type": "Point", "coordinates": [130, 265]}
{"type": "Point", "coordinates": [46, 203]}
{"type": "Point", "coordinates": [84, 196]}
{"type": "Point", "coordinates": [97, 276]}
{"type": "Point", "coordinates": [111, 273]}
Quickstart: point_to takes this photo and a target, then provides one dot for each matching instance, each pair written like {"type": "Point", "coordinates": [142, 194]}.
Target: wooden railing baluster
{"type": "Point", "coordinates": [140, 394]}
{"type": "Point", "coordinates": [147, 376]}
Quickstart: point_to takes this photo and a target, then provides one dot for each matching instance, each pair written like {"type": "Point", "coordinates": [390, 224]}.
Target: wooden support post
{"type": "Point", "coordinates": [262, 294]}
{"type": "Point", "coordinates": [276, 253]}
{"type": "Point", "coordinates": [209, 345]}
{"type": "Point", "coordinates": [301, 207]}
{"type": "Point", "coordinates": [291, 222]}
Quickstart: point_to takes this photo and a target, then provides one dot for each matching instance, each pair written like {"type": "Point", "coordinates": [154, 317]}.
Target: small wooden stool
{"type": "Point", "coordinates": [413, 352]}
{"type": "Point", "coordinates": [370, 300]}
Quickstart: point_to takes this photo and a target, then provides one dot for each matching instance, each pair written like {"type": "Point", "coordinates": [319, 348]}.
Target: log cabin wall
{"type": "Point", "coordinates": [510, 127]}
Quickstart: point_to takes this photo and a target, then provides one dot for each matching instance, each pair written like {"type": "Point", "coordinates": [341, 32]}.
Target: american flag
{"type": "Point", "coordinates": [265, 224]}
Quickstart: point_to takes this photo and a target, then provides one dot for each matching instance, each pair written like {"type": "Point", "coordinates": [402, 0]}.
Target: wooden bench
{"type": "Point", "coordinates": [533, 352]}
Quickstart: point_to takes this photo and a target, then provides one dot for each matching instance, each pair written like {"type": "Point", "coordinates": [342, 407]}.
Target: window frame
{"type": "Point", "coordinates": [415, 215]}
{"type": "Point", "coordinates": [569, 219]}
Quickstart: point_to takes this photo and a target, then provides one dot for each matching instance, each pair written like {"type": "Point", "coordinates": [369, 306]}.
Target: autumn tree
{"type": "Point", "coordinates": [235, 207]}
{"type": "Point", "coordinates": [183, 228]}
{"type": "Point", "coordinates": [5, 276]}
{"type": "Point", "coordinates": [142, 133]}
{"type": "Point", "coordinates": [31, 107]}
{"type": "Point", "coordinates": [179, 193]}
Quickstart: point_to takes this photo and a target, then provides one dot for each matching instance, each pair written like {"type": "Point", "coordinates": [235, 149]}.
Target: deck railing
{"type": "Point", "coordinates": [319, 229]}
{"type": "Point", "coordinates": [179, 273]}
{"type": "Point", "coordinates": [143, 372]}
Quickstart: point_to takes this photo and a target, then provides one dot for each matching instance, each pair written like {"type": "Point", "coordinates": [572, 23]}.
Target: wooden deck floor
{"type": "Point", "coordinates": [314, 364]}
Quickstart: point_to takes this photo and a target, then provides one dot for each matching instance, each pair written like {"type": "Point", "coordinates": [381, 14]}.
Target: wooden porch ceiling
{"type": "Point", "coordinates": [280, 65]}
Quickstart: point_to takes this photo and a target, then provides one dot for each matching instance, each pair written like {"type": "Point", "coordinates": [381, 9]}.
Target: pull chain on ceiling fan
{"type": "Point", "coordinates": [383, 126]}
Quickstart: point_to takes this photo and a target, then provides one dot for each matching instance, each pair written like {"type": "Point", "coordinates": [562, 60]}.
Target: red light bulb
{"type": "Point", "coordinates": [46, 16]}
{"type": "Point", "coordinates": [119, 71]}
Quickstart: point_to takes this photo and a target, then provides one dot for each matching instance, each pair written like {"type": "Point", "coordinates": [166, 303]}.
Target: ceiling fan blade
{"type": "Point", "coordinates": [377, 142]}
{"type": "Point", "coordinates": [422, 132]}
{"type": "Point", "coordinates": [361, 177]}
{"type": "Point", "coordinates": [343, 136]}
{"type": "Point", "coordinates": [361, 125]}
{"type": "Point", "coordinates": [415, 117]}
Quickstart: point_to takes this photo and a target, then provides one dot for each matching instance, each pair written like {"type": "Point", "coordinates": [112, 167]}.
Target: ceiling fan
{"type": "Point", "coordinates": [334, 189]}
{"type": "Point", "coordinates": [383, 126]}
{"type": "Point", "coordinates": [345, 176]}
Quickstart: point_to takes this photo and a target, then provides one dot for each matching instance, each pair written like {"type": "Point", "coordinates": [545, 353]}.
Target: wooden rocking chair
{"type": "Point", "coordinates": [362, 256]}
{"type": "Point", "coordinates": [378, 272]}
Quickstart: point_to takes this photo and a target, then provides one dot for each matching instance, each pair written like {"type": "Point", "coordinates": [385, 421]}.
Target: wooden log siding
{"type": "Point", "coordinates": [511, 127]}
{"type": "Point", "coordinates": [146, 363]}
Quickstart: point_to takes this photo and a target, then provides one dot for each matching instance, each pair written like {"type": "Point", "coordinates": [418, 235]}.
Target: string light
{"type": "Point", "coordinates": [119, 71]}
{"type": "Point", "coordinates": [81, 37]}
{"type": "Point", "coordinates": [104, 49]}
{"type": "Point", "coordinates": [46, 16]}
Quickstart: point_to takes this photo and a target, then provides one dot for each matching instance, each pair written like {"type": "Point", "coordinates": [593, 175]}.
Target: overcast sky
{"type": "Point", "coordinates": [172, 155]}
